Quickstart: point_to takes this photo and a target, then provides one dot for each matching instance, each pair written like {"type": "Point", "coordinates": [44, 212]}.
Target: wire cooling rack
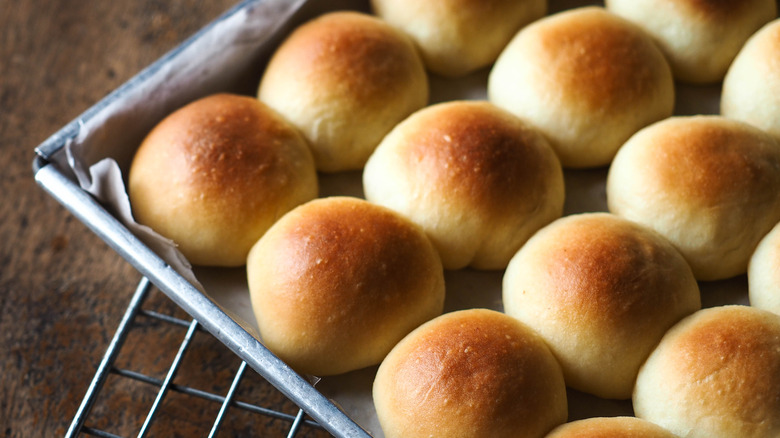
{"type": "Point", "coordinates": [140, 318]}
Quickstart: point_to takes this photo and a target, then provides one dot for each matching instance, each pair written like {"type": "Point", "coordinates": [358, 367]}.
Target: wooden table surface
{"type": "Point", "coordinates": [62, 290]}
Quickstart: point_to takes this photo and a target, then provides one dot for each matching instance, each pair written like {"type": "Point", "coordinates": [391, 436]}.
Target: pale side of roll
{"type": "Point", "coordinates": [751, 88]}
{"type": "Point", "coordinates": [457, 37]}
{"type": "Point", "coordinates": [610, 427]}
{"type": "Point", "coordinates": [214, 175]}
{"type": "Point", "coordinates": [477, 179]}
{"type": "Point", "coordinates": [764, 273]}
{"type": "Point", "coordinates": [707, 183]}
{"type": "Point", "coordinates": [699, 38]}
{"type": "Point", "coordinates": [601, 291]}
{"type": "Point", "coordinates": [715, 374]}
{"type": "Point", "coordinates": [470, 373]}
{"type": "Point", "coordinates": [345, 79]}
{"type": "Point", "coordinates": [587, 78]}
{"type": "Point", "coordinates": [338, 281]}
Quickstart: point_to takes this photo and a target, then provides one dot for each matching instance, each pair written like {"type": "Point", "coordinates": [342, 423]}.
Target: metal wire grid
{"type": "Point", "coordinates": [106, 367]}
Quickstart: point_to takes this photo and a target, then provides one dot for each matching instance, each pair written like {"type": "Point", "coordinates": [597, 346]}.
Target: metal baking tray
{"type": "Point", "coordinates": [228, 55]}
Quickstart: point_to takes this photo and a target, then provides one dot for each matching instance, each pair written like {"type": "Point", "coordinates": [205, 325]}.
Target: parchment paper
{"type": "Point", "coordinates": [230, 57]}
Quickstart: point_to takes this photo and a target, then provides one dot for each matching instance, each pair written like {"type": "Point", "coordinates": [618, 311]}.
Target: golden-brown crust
{"type": "Point", "coordinates": [602, 291]}
{"type": "Point", "coordinates": [711, 159]}
{"type": "Point", "coordinates": [476, 178]}
{"type": "Point", "coordinates": [452, 35]}
{"type": "Point", "coordinates": [338, 281]}
{"type": "Point", "coordinates": [481, 156]}
{"type": "Point", "coordinates": [717, 372]}
{"type": "Point", "coordinates": [707, 183]}
{"type": "Point", "coordinates": [602, 59]}
{"type": "Point", "coordinates": [698, 37]}
{"type": "Point", "coordinates": [223, 149]}
{"type": "Point", "coordinates": [610, 427]}
{"type": "Point", "coordinates": [368, 254]}
{"type": "Point", "coordinates": [215, 174]}
{"type": "Point", "coordinates": [344, 79]}
{"type": "Point", "coordinates": [347, 51]}
{"type": "Point", "coordinates": [730, 351]}
{"type": "Point", "coordinates": [609, 271]}
{"type": "Point", "coordinates": [470, 373]}
{"type": "Point", "coordinates": [587, 78]}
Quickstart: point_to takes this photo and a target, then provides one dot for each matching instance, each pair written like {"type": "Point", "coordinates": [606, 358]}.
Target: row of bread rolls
{"type": "Point", "coordinates": [715, 243]}
{"type": "Point", "coordinates": [603, 305]}
{"type": "Point", "coordinates": [467, 184]}
{"type": "Point", "coordinates": [480, 372]}
{"type": "Point", "coordinates": [341, 116]}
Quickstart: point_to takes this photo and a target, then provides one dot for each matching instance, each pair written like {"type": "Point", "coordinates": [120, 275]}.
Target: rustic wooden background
{"type": "Point", "coordinates": [62, 290]}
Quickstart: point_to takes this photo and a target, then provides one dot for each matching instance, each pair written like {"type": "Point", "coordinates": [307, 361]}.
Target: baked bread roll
{"type": "Point", "coordinates": [699, 38]}
{"type": "Point", "coordinates": [337, 282]}
{"type": "Point", "coordinates": [478, 180]}
{"type": "Point", "coordinates": [707, 183]}
{"type": "Point", "coordinates": [345, 79]}
{"type": "Point", "coordinates": [610, 427]}
{"type": "Point", "coordinates": [456, 37]}
{"type": "Point", "coordinates": [601, 291]}
{"type": "Point", "coordinates": [470, 373]}
{"type": "Point", "coordinates": [715, 374]}
{"type": "Point", "coordinates": [764, 273]}
{"type": "Point", "coordinates": [751, 89]}
{"type": "Point", "coordinates": [214, 175]}
{"type": "Point", "coordinates": [587, 79]}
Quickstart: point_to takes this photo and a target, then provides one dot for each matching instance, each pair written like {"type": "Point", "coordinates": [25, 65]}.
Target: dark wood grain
{"type": "Point", "coordinates": [62, 290]}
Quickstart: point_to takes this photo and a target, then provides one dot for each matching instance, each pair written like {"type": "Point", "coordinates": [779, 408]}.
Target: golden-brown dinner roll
{"type": "Point", "coordinates": [610, 427]}
{"type": "Point", "coordinates": [707, 183]}
{"type": "Point", "coordinates": [345, 79]}
{"type": "Point", "coordinates": [456, 37]}
{"type": "Point", "coordinates": [337, 282]}
{"type": "Point", "coordinates": [715, 374]}
{"type": "Point", "coordinates": [751, 89]}
{"type": "Point", "coordinates": [764, 273]}
{"type": "Point", "coordinates": [478, 180]}
{"type": "Point", "coordinates": [470, 373]}
{"type": "Point", "coordinates": [587, 78]}
{"type": "Point", "coordinates": [601, 291]}
{"type": "Point", "coordinates": [699, 38]}
{"type": "Point", "coordinates": [214, 175]}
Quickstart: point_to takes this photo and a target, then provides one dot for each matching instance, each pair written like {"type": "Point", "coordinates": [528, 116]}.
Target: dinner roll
{"type": "Point", "coordinates": [456, 37]}
{"type": "Point", "coordinates": [470, 373]}
{"type": "Point", "coordinates": [215, 174]}
{"type": "Point", "coordinates": [751, 89]}
{"type": "Point", "coordinates": [337, 282]}
{"type": "Point", "coordinates": [601, 291]}
{"type": "Point", "coordinates": [707, 183]}
{"type": "Point", "coordinates": [478, 180]}
{"type": "Point", "coordinates": [587, 78]}
{"type": "Point", "coordinates": [715, 374]}
{"type": "Point", "coordinates": [610, 427]}
{"type": "Point", "coordinates": [764, 273]}
{"type": "Point", "coordinates": [345, 79]}
{"type": "Point", "coordinates": [699, 38]}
